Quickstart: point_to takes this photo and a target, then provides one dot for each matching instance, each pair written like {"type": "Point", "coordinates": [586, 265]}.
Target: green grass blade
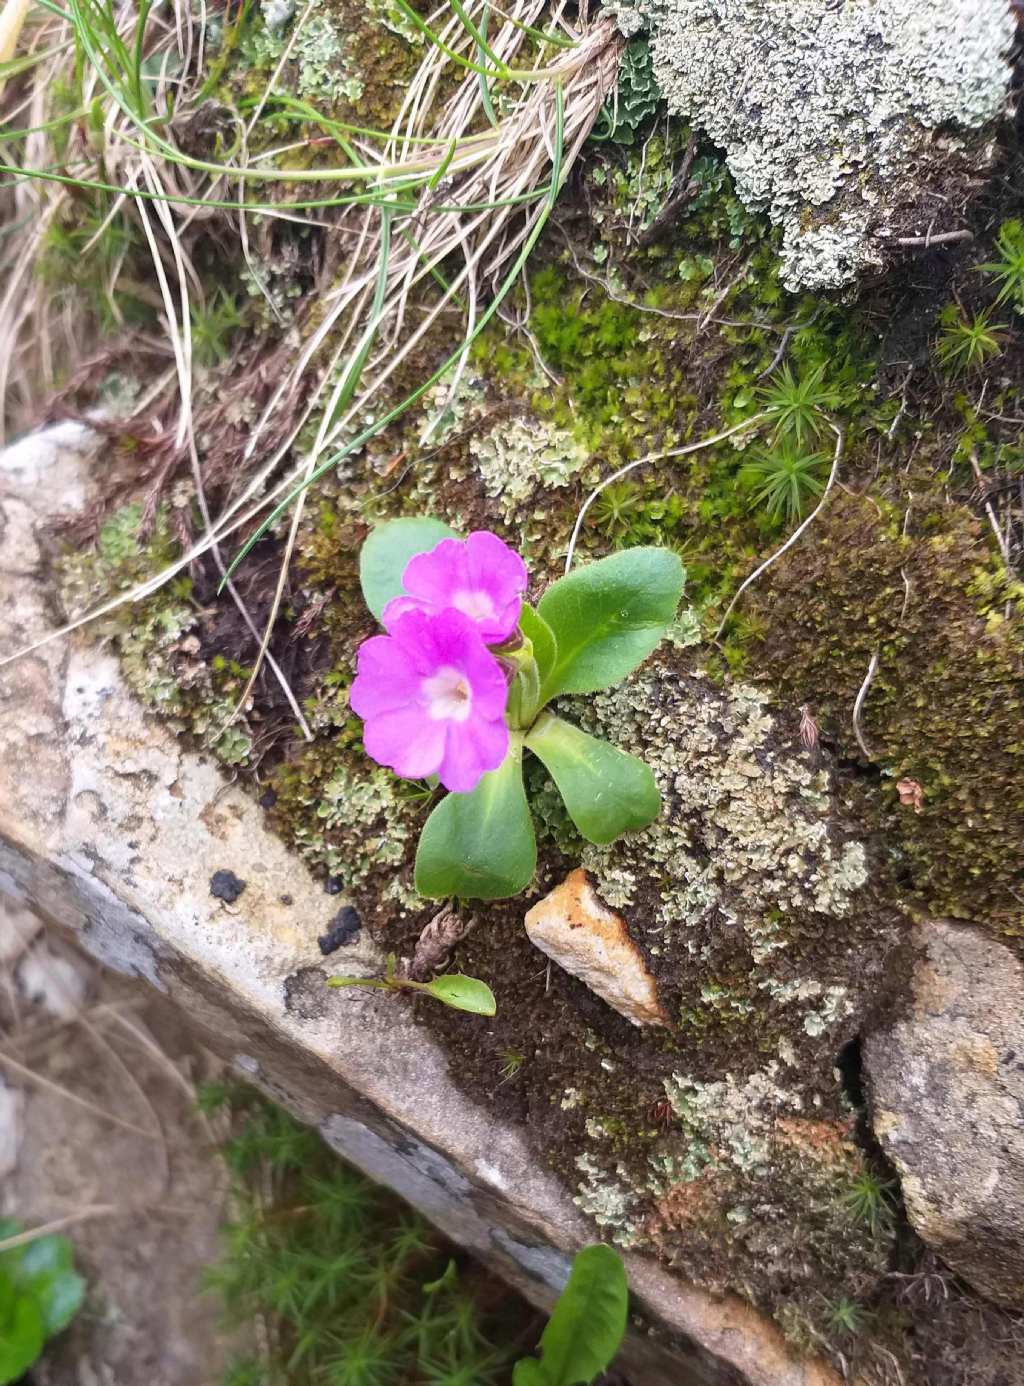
{"type": "Point", "coordinates": [399, 409]}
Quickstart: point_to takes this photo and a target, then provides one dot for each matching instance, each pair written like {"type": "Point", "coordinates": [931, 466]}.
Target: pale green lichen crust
{"type": "Point", "coordinates": [757, 907]}
{"type": "Point", "coordinates": [746, 829]}
{"type": "Point", "coordinates": [828, 112]}
{"type": "Point", "coordinates": [161, 653]}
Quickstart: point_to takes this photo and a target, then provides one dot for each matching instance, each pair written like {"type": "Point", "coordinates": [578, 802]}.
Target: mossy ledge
{"type": "Point", "coordinates": [771, 899]}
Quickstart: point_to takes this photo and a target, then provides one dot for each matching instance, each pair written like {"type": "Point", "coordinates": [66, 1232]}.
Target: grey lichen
{"type": "Point", "coordinates": [828, 112]}
{"type": "Point", "coordinates": [521, 454]}
{"type": "Point", "coordinates": [319, 51]}
{"type": "Point", "coordinates": [357, 825]}
{"type": "Point", "coordinates": [609, 1200]}
{"type": "Point", "coordinates": [730, 1121]}
{"type": "Point", "coordinates": [746, 828]}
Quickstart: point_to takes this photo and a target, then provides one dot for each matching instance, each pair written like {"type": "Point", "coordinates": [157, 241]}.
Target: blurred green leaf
{"type": "Point", "coordinates": [22, 1333]}
{"type": "Point", "coordinates": [587, 1324]}
{"type": "Point", "coordinates": [388, 549]}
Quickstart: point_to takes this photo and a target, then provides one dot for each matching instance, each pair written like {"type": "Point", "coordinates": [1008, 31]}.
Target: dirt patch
{"type": "Point", "coordinates": [106, 1134]}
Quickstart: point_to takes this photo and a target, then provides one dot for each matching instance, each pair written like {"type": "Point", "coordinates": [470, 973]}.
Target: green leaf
{"type": "Point", "coordinates": [586, 1325]}
{"type": "Point", "coordinates": [46, 1271]}
{"type": "Point", "coordinates": [541, 636]}
{"type": "Point", "coordinates": [388, 549]}
{"type": "Point", "coordinates": [480, 846]}
{"type": "Point", "coordinates": [463, 993]}
{"type": "Point", "coordinates": [528, 1372]}
{"type": "Point", "coordinates": [606, 791]}
{"type": "Point", "coordinates": [22, 1333]}
{"type": "Point", "coordinates": [608, 617]}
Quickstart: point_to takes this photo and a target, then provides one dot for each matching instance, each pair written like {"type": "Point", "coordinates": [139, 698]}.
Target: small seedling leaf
{"type": "Point", "coordinates": [463, 993]}
{"type": "Point", "coordinates": [388, 549]}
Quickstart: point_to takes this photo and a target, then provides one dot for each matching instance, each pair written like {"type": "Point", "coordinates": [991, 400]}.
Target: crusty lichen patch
{"type": "Point", "coordinates": [347, 816]}
{"type": "Point", "coordinates": [828, 112]}
{"type": "Point", "coordinates": [746, 829]}
{"type": "Point", "coordinates": [726, 1142]}
{"type": "Point", "coordinates": [157, 639]}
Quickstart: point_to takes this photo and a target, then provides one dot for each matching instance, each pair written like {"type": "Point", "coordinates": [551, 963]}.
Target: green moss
{"type": "Point", "coordinates": [944, 703]}
{"type": "Point", "coordinates": [336, 1279]}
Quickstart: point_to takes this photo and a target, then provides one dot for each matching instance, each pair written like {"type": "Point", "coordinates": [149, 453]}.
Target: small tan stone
{"type": "Point", "coordinates": [577, 932]}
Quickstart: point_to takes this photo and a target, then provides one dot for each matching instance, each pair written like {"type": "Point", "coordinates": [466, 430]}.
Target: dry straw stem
{"type": "Point", "coordinates": [47, 1229]}
{"type": "Point", "coordinates": [12, 20]}
{"type": "Point", "coordinates": [438, 187]}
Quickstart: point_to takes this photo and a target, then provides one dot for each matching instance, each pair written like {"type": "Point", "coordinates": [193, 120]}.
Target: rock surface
{"type": "Point", "coordinates": [109, 827]}
{"type": "Point", "coordinates": [947, 1086]}
{"type": "Point", "coordinates": [829, 113]}
{"type": "Point", "coordinates": [577, 932]}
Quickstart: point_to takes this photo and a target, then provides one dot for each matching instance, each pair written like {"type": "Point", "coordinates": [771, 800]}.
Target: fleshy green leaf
{"type": "Point", "coordinates": [540, 634]}
{"type": "Point", "coordinates": [463, 993]}
{"type": "Point", "coordinates": [22, 1333]}
{"type": "Point", "coordinates": [46, 1271]}
{"type": "Point", "coordinates": [586, 1325]}
{"type": "Point", "coordinates": [480, 846]}
{"type": "Point", "coordinates": [388, 549]}
{"type": "Point", "coordinates": [608, 616]}
{"type": "Point", "coordinates": [606, 791]}
{"type": "Point", "coordinates": [528, 1372]}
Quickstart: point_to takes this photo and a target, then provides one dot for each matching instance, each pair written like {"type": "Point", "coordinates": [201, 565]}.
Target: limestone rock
{"type": "Point", "coordinates": [947, 1084]}
{"type": "Point", "coordinates": [576, 931]}
{"type": "Point", "coordinates": [830, 114]}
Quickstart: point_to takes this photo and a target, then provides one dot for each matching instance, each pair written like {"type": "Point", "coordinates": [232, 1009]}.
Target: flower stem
{"type": "Point", "coordinates": [524, 694]}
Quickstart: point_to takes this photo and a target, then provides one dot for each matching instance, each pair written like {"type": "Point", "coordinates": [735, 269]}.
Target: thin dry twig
{"type": "Point", "coordinates": [30, 1074]}
{"type": "Point", "coordinates": [95, 1210]}
{"type": "Point", "coordinates": [642, 462]}
{"type": "Point", "coordinates": [1001, 541]}
{"type": "Point", "coordinates": [941, 238]}
{"type": "Point", "coordinates": [858, 706]}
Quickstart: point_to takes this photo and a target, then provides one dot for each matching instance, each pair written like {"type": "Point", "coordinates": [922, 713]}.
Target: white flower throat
{"type": "Point", "coordinates": [448, 694]}
{"type": "Point", "coordinates": [474, 603]}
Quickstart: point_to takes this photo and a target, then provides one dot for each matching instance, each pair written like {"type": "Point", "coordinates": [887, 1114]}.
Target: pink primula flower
{"type": "Point", "coordinates": [433, 698]}
{"type": "Point", "coordinates": [479, 576]}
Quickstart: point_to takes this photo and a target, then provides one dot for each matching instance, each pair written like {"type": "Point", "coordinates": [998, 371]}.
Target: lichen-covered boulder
{"type": "Point", "coordinates": [837, 119]}
{"type": "Point", "coordinates": [947, 1083]}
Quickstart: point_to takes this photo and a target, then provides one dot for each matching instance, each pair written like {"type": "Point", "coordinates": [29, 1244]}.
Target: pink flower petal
{"type": "Point", "coordinates": [385, 678]}
{"type": "Point", "coordinates": [480, 576]}
{"type": "Point", "coordinates": [431, 694]}
{"type": "Point", "coordinates": [407, 741]}
{"type": "Point", "coordinates": [470, 751]}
